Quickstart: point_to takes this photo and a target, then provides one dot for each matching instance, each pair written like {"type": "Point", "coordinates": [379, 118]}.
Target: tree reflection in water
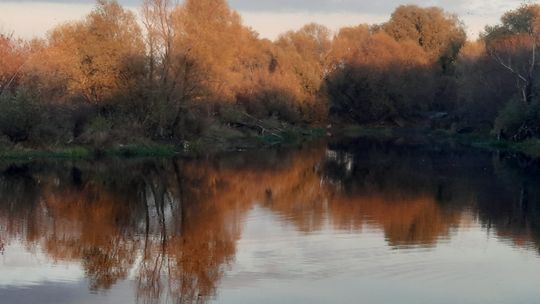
{"type": "Point", "coordinates": [172, 225]}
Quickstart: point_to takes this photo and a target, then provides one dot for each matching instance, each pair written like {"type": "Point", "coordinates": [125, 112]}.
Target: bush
{"type": "Point", "coordinates": [518, 121]}
{"type": "Point", "coordinates": [25, 119]}
{"type": "Point", "coordinates": [272, 103]}
{"type": "Point", "coordinates": [19, 115]}
{"type": "Point", "coordinates": [59, 123]}
{"type": "Point", "coordinates": [99, 124]}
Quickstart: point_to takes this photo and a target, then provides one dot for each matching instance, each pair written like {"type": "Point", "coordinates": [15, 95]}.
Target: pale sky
{"type": "Point", "coordinates": [33, 18]}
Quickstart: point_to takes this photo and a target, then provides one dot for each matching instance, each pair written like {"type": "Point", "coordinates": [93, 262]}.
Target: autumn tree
{"type": "Point", "coordinates": [307, 53]}
{"type": "Point", "coordinates": [12, 58]}
{"type": "Point", "coordinates": [166, 93]}
{"type": "Point", "coordinates": [440, 34]}
{"type": "Point", "coordinates": [19, 112]}
{"type": "Point", "coordinates": [156, 17]}
{"type": "Point", "coordinates": [96, 56]}
{"type": "Point", "coordinates": [211, 36]}
{"type": "Point", "coordinates": [376, 78]}
{"type": "Point", "coordinates": [513, 44]}
{"type": "Point", "coordinates": [311, 44]}
{"type": "Point", "coordinates": [199, 54]}
{"type": "Point", "coordinates": [482, 87]}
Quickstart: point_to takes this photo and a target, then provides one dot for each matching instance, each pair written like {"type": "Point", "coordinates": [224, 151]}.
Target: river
{"type": "Point", "coordinates": [347, 221]}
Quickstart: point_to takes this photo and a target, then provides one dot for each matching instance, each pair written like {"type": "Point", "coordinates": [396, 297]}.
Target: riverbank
{"type": "Point", "coordinates": [231, 139]}
{"type": "Point", "coordinates": [216, 140]}
{"type": "Point", "coordinates": [529, 148]}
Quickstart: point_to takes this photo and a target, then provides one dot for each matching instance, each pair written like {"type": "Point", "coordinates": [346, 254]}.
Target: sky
{"type": "Point", "coordinates": [33, 18]}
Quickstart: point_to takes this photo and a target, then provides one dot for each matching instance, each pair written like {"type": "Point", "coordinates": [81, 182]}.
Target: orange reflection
{"type": "Point", "coordinates": [405, 220]}
{"type": "Point", "coordinates": [173, 226]}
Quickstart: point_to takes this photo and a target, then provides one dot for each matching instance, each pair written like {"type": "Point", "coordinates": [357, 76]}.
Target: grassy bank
{"type": "Point", "coordinates": [215, 141]}
{"type": "Point", "coordinates": [81, 152]}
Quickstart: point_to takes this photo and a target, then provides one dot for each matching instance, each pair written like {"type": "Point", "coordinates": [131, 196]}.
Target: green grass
{"type": "Point", "coordinates": [78, 152]}
{"type": "Point", "coordinates": [223, 138]}
{"type": "Point", "coordinates": [291, 136]}
{"type": "Point", "coordinates": [68, 153]}
{"type": "Point", "coordinates": [218, 139]}
{"type": "Point", "coordinates": [154, 150]}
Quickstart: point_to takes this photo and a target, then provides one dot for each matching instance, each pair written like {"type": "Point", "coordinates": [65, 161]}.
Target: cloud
{"type": "Point", "coordinates": [271, 17]}
{"type": "Point", "coordinates": [69, 2]}
{"type": "Point", "coordinates": [271, 24]}
{"type": "Point", "coordinates": [336, 6]}
{"type": "Point", "coordinates": [30, 18]}
{"type": "Point", "coordinates": [34, 19]}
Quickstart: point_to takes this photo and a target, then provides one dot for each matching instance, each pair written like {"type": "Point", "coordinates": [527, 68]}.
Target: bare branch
{"type": "Point", "coordinates": [507, 66]}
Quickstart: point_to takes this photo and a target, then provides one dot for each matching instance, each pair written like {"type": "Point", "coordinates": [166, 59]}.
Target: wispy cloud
{"type": "Point", "coordinates": [269, 17]}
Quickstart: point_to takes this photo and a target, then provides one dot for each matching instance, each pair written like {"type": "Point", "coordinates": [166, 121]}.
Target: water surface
{"type": "Point", "coordinates": [345, 222]}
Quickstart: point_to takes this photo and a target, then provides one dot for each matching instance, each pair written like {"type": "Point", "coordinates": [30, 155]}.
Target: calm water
{"type": "Point", "coordinates": [347, 222]}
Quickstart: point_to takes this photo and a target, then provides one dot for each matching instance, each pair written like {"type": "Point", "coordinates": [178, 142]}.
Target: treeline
{"type": "Point", "coordinates": [189, 70]}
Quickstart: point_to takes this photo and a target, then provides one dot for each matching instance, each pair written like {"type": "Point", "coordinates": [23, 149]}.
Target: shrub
{"type": "Point", "coordinates": [19, 115]}
{"type": "Point", "coordinates": [272, 102]}
{"type": "Point", "coordinates": [100, 124]}
{"type": "Point", "coordinates": [59, 123]}
{"type": "Point", "coordinates": [518, 121]}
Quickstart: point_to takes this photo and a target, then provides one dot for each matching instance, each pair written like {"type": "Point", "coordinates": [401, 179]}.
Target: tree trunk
{"type": "Point", "coordinates": [529, 90]}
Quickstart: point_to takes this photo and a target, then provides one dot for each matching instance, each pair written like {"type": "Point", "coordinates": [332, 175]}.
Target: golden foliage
{"type": "Point", "coordinates": [12, 58]}
{"type": "Point", "coordinates": [92, 56]}
{"type": "Point", "coordinates": [440, 34]}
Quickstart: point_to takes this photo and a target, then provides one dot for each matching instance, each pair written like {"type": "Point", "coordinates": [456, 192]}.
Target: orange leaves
{"type": "Point", "coordinates": [357, 46]}
{"type": "Point", "coordinates": [472, 50]}
{"type": "Point", "coordinates": [440, 34]}
{"type": "Point", "coordinates": [374, 77]}
{"type": "Point", "coordinates": [211, 34]}
{"type": "Point", "coordinates": [92, 55]}
{"type": "Point", "coordinates": [405, 220]}
{"type": "Point", "coordinates": [12, 58]}
{"type": "Point", "coordinates": [512, 44]}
